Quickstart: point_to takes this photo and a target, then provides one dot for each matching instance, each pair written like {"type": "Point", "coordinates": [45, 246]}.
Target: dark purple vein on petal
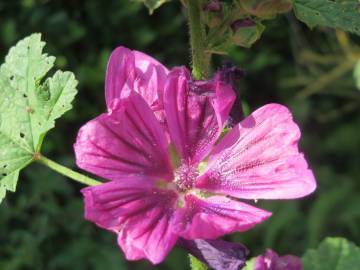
{"type": "Point", "coordinates": [117, 158]}
{"type": "Point", "coordinates": [125, 142]}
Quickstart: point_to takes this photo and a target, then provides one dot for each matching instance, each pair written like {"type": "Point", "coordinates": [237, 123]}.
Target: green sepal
{"type": "Point", "coordinates": [246, 36]}
{"type": "Point", "coordinates": [265, 9]}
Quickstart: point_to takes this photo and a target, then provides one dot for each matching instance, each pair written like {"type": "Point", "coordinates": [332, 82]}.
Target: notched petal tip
{"type": "Point", "coordinates": [128, 71]}
{"type": "Point", "coordinates": [134, 249]}
{"type": "Point", "coordinates": [138, 212]}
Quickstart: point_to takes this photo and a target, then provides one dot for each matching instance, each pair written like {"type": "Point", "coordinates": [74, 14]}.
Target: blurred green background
{"type": "Point", "coordinates": [41, 226]}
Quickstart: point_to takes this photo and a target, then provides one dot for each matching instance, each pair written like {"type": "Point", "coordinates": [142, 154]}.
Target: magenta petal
{"type": "Point", "coordinates": [120, 74]}
{"type": "Point", "coordinates": [259, 159]}
{"type": "Point", "coordinates": [126, 141]}
{"type": "Point", "coordinates": [105, 203]}
{"type": "Point", "coordinates": [133, 253]}
{"type": "Point", "coordinates": [289, 262]}
{"type": "Point", "coordinates": [134, 71]}
{"type": "Point", "coordinates": [139, 212]}
{"type": "Point", "coordinates": [215, 216]}
{"type": "Point", "coordinates": [151, 238]}
{"type": "Point", "coordinates": [195, 113]}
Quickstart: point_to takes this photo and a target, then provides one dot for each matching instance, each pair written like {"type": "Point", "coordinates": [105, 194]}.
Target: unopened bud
{"type": "Point", "coordinates": [213, 6]}
{"type": "Point", "coordinates": [238, 24]}
{"type": "Point", "coordinates": [246, 32]}
{"type": "Point", "coordinates": [272, 261]}
{"type": "Point", "coordinates": [213, 13]}
{"type": "Point", "coordinates": [266, 9]}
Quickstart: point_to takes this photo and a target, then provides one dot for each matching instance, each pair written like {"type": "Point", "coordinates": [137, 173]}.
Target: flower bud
{"type": "Point", "coordinates": [242, 23]}
{"type": "Point", "coordinates": [245, 32]}
{"type": "Point", "coordinates": [266, 9]}
{"type": "Point", "coordinates": [213, 13]}
{"type": "Point", "coordinates": [213, 6]}
{"type": "Point", "coordinates": [271, 261]}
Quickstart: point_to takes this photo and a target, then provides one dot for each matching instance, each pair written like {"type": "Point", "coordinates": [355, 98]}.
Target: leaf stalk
{"type": "Point", "coordinates": [78, 177]}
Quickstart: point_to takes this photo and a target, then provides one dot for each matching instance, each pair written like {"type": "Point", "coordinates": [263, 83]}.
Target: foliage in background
{"type": "Point", "coordinates": [310, 71]}
{"type": "Point", "coordinates": [240, 22]}
{"type": "Point", "coordinates": [333, 253]}
{"type": "Point", "coordinates": [152, 4]}
{"type": "Point", "coordinates": [340, 14]}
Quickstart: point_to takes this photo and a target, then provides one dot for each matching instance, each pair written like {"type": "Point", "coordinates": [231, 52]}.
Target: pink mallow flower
{"type": "Point", "coordinates": [272, 261]}
{"type": "Point", "coordinates": [171, 175]}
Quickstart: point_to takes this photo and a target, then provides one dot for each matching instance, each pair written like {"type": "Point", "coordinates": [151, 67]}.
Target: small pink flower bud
{"type": "Point", "coordinates": [242, 23]}
{"type": "Point", "coordinates": [272, 261]}
{"type": "Point", "coordinates": [213, 6]}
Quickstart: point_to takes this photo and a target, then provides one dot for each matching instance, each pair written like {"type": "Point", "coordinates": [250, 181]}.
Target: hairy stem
{"type": "Point", "coordinates": [78, 177]}
{"type": "Point", "coordinates": [200, 57]}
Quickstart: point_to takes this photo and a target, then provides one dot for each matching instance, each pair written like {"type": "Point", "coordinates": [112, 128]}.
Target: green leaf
{"type": "Point", "coordinates": [196, 264]}
{"type": "Point", "coordinates": [339, 14]}
{"type": "Point", "coordinates": [152, 4]}
{"type": "Point", "coordinates": [28, 107]}
{"type": "Point", "coordinates": [246, 36]}
{"type": "Point", "coordinates": [333, 254]}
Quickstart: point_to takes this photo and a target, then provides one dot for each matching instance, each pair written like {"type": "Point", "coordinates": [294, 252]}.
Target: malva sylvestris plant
{"type": "Point", "coordinates": [170, 174]}
{"type": "Point", "coordinates": [177, 169]}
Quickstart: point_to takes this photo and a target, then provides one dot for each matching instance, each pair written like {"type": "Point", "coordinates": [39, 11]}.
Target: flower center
{"type": "Point", "coordinates": [184, 181]}
{"type": "Point", "coordinates": [185, 176]}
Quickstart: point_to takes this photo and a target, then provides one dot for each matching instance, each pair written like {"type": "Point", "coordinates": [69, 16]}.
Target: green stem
{"type": "Point", "coordinates": [200, 58]}
{"type": "Point", "coordinates": [67, 172]}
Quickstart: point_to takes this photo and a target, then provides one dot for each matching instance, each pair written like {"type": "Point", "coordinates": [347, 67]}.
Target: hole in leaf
{"type": "Point", "coordinates": [11, 77]}
{"type": "Point", "coordinates": [22, 135]}
{"type": "Point", "coordinates": [5, 165]}
{"type": "Point", "coordinates": [25, 95]}
{"type": "Point", "coordinates": [4, 174]}
{"type": "Point", "coordinates": [30, 110]}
